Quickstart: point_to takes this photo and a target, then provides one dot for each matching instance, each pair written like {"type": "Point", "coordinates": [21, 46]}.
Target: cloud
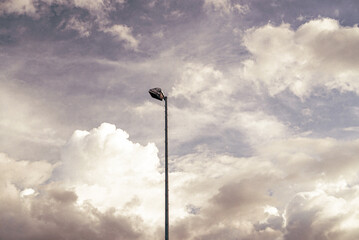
{"type": "Point", "coordinates": [96, 16]}
{"type": "Point", "coordinates": [286, 191]}
{"type": "Point", "coordinates": [64, 203]}
{"type": "Point", "coordinates": [23, 174]}
{"type": "Point", "coordinates": [29, 121]}
{"type": "Point", "coordinates": [317, 158]}
{"type": "Point", "coordinates": [321, 187]}
{"type": "Point", "coordinates": [96, 5]}
{"type": "Point", "coordinates": [207, 96]}
{"type": "Point", "coordinates": [104, 159]}
{"type": "Point", "coordinates": [123, 33]}
{"type": "Point", "coordinates": [221, 5]}
{"type": "Point", "coordinates": [83, 28]}
{"type": "Point", "coordinates": [258, 126]}
{"type": "Point", "coordinates": [225, 6]}
{"type": "Point", "coordinates": [241, 9]}
{"type": "Point", "coordinates": [18, 7]}
{"type": "Point", "coordinates": [45, 217]}
{"type": "Point", "coordinates": [228, 192]}
{"type": "Point", "coordinates": [203, 83]}
{"type": "Point", "coordinates": [33, 8]}
{"type": "Point", "coordinates": [109, 187]}
{"type": "Point", "coordinates": [319, 215]}
{"type": "Point", "coordinates": [319, 54]}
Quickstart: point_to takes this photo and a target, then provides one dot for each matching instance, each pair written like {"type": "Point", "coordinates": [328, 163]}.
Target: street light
{"type": "Point", "coordinates": [158, 94]}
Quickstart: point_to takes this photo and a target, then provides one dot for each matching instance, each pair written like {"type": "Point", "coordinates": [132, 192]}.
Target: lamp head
{"type": "Point", "coordinates": [157, 93]}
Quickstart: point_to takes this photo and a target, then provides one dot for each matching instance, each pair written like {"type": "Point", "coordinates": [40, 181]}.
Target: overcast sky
{"type": "Point", "coordinates": [263, 99]}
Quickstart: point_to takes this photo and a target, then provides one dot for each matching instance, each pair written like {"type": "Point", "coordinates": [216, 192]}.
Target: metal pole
{"type": "Point", "coordinates": [166, 172]}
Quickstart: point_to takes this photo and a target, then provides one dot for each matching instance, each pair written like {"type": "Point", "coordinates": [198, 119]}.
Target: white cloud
{"type": "Point", "coordinates": [107, 170]}
{"type": "Point", "coordinates": [104, 159]}
{"type": "Point", "coordinates": [210, 95]}
{"type": "Point", "coordinates": [25, 120]}
{"type": "Point", "coordinates": [258, 126]}
{"type": "Point", "coordinates": [204, 84]}
{"type": "Point", "coordinates": [218, 5]}
{"type": "Point", "coordinates": [92, 5]}
{"type": "Point", "coordinates": [83, 28]}
{"type": "Point", "coordinates": [97, 8]}
{"type": "Point", "coordinates": [123, 33]}
{"type": "Point", "coordinates": [24, 174]}
{"type": "Point", "coordinates": [27, 192]}
{"type": "Point", "coordinates": [290, 186]}
{"type": "Point", "coordinates": [292, 189]}
{"type": "Point", "coordinates": [18, 7]}
{"type": "Point", "coordinates": [241, 9]}
{"type": "Point", "coordinates": [320, 53]}
{"type": "Point", "coordinates": [271, 210]}
{"type": "Point", "coordinates": [175, 14]}
{"type": "Point", "coordinates": [71, 204]}
{"type": "Point", "coordinates": [226, 6]}
{"type": "Point", "coordinates": [159, 34]}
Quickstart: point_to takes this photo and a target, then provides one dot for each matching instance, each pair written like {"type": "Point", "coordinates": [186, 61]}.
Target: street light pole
{"type": "Point", "coordinates": [166, 172]}
{"type": "Point", "coordinates": [158, 94]}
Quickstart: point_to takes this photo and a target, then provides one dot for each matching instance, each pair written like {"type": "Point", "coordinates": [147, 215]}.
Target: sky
{"type": "Point", "coordinates": [263, 103]}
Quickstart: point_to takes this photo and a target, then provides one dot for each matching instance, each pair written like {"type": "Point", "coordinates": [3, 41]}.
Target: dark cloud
{"type": "Point", "coordinates": [63, 196]}
{"type": "Point", "coordinates": [235, 198]}
{"type": "Point", "coordinates": [51, 219]}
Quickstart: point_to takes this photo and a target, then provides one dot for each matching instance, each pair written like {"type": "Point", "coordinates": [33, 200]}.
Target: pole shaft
{"type": "Point", "coordinates": [166, 173]}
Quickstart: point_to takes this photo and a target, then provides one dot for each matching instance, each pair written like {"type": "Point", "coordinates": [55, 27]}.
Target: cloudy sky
{"type": "Point", "coordinates": [263, 119]}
